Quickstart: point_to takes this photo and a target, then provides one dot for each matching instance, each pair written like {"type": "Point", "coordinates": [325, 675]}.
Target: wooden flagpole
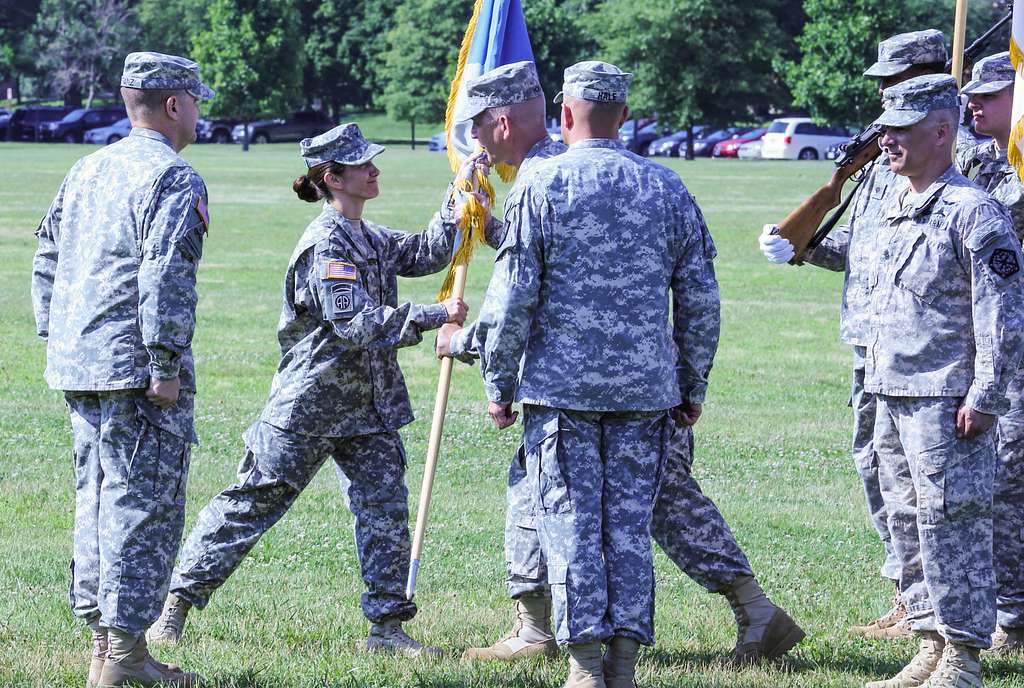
{"type": "Point", "coordinates": [433, 445]}
{"type": "Point", "coordinates": [959, 38]}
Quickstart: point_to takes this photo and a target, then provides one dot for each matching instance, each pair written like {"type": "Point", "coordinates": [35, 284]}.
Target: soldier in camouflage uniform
{"type": "Point", "coordinates": [946, 322]}
{"type": "Point", "coordinates": [686, 523]}
{"type": "Point", "coordinates": [596, 381]}
{"type": "Point", "coordinates": [338, 393]}
{"type": "Point", "coordinates": [114, 292]}
{"type": "Point", "coordinates": [851, 248]}
{"type": "Point", "coordinates": [991, 103]}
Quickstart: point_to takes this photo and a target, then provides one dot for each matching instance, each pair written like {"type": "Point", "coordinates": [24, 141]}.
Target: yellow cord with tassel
{"type": "Point", "coordinates": [472, 223]}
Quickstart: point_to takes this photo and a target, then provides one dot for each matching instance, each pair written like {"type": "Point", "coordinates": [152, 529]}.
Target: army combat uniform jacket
{"type": "Point", "coordinates": [341, 323]}
{"type": "Point", "coordinates": [949, 306]}
{"type": "Point", "coordinates": [115, 297]}
{"type": "Point", "coordinates": [593, 340]}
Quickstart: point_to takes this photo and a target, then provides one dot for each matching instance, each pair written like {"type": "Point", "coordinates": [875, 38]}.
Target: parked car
{"type": "Point", "coordinates": [674, 144]}
{"type": "Point", "coordinates": [438, 142]}
{"type": "Point", "coordinates": [799, 138]}
{"type": "Point", "coordinates": [295, 127]}
{"type": "Point", "coordinates": [5, 117]}
{"type": "Point", "coordinates": [215, 130]}
{"type": "Point", "coordinates": [72, 127]}
{"type": "Point", "coordinates": [729, 148]}
{"type": "Point", "coordinates": [703, 146]}
{"type": "Point", "coordinates": [25, 121]}
{"type": "Point", "coordinates": [750, 150]}
{"type": "Point", "coordinates": [109, 134]}
{"type": "Point", "coordinates": [645, 135]}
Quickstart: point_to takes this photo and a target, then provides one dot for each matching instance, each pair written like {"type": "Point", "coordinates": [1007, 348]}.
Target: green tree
{"type": "Point", "coordinates": [248, 55]}
{"type": "Point", "coordinates": [693, 60]}
{"type": "Point", "coordinates": [558, 39]}
{"type": "Point", "coordinates": [345, 50]}
{"type": "Point", "coordinates": [15, 60]}
{"type": "Point", "coordinates": [420, 62]}
{"type": "Point", "coordinates": [80, 45]}
{"type": "Point", "coordinates": [187, 17]}
{"type": "Point", "coordinates": [840, 40]}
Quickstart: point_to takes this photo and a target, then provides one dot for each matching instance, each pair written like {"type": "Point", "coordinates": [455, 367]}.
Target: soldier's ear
{"type": "Point", "coordinates": [625, 115]}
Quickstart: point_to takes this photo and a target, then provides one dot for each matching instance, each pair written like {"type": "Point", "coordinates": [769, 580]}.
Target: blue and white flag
{"type": "Point", "coordinates": [496, 36]}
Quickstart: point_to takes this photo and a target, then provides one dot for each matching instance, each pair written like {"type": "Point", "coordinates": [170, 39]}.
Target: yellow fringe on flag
{"type": "Point", "coordinates": [506, 171]}
{"type": "Point", "coordinates": [473, 225]}
{"type": "Point", "coordinates": [1014, 155]}
{"type": "Point", "coordinates": [460, 68]}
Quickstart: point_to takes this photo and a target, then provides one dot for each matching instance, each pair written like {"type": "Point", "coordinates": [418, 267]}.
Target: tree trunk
{"type": "Point", "coordinates": [412, 141]}
{"type": "Point", "coordinates": [73, 97]}
{"type": "Point", "coordinates": [689, 141]}
{"type": "Point", "coordinates": [245, 137]}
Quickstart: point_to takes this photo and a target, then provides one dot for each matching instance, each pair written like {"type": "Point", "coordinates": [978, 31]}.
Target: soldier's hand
{"type": "Point", "coordinates": [686, 414]}
{"type": "Point", "coordinates": [477, 161]}
{"type": "Point", "coordinates": [775, 247]}
{"type": "Point", "coordinates": [443, 343]}
{"type": "Point", "coordinates": [457, 310]}
{"type": "Point", "coordinates": [502, 415]}
{"type": "Point", "coordinates": [971, 423]}
{"type": "Point", "coordinates": [163, 393]}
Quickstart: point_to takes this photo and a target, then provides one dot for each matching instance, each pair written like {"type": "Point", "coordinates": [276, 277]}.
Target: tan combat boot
{"type": "Point", "coordinates": [620, 662]}
{"type": "Point", "coordinates": [389, 637]}
{"type": "Point", "coordinates": [530, 637]}
{"type": "Point", "coordinates": [99, 652]}
{"type": "Point", "coordinates": [764, 630]}
{"type": "Point", "coordinates": [1007, 641]}
{"type": "Point", "coordinates": [920, 668]}
{"type": "Point", "coordinates": [169, 627]}
{"type": "Point", "coordinates": [129, 663]}
{"type": "Point", "coordinates": [892, 624]}
{"type": "Point", "coordinates": [960, 668]}
{"type": "Point", "coordinates": [585, 666]}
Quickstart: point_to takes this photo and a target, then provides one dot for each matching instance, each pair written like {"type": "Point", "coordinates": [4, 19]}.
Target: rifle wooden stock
{"type": "Point", "coordinates": [801, 224]}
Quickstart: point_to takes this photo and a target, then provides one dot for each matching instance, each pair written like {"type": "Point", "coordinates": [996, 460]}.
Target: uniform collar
{"type": "Point", "coordinates": [357, 237]}
{"type": "Point", "coordinates": [614, 144]}
{"type": "Point", "coordinates": [917, 204]}
{"type": "Point", "coordinates": [151, 134]}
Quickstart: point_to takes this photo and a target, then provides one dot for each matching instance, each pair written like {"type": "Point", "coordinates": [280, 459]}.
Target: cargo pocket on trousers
{"type": "Point", "coordinates": [549, 453]}
{"type": "Point", "coordinates": [159, 465]}
{"type": "Point", "coordinates": [956, 481]}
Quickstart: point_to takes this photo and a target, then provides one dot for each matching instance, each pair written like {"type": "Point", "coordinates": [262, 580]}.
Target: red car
{"type": "Point", "coordinates": [730, 147]}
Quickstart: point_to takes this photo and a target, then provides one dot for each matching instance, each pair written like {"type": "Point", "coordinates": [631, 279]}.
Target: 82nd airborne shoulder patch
{"type": "Point", "coordinates": [1004, 263]}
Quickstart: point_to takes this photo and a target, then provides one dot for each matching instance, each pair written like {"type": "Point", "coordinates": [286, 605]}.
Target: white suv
{"type": "Point", "coordinates": [799, 138]}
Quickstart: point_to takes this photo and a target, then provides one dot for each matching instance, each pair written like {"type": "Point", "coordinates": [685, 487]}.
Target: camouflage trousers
{"type": "Point", "coordinates": [596, 479]}
{"type": "Point", "coordinates": [277, 466]}
{"type": "Point", "coordinates": [686, 524]}
{"type": "Point", "coordinates": [1008, 510]}
{"type": "Point", "coordinates": [130, 477]}
{"type": "Point", "coordinates": [938, 490]}
{"type": "Point", "coordinates": [866, 460]}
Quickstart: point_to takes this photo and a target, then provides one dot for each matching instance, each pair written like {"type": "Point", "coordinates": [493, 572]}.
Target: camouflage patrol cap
{"type": "Point", "coordinates": [344, 144]}
{"type": "Point", "coordinates": [902, 51]}
{"type": "Point", "coordinates": [595, 80]}
{"type": "Point", "coordinates": [910, 101]}
{"type": "Point", "coordinates": [509, 84]}
{"type": "Point", "coordinates": [991, 74]}
{"type": "Point", "coordinates": [156, 71]}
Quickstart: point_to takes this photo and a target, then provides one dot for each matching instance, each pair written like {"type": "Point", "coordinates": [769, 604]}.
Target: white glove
{"type": "Point", "coordinates": [775, 247]}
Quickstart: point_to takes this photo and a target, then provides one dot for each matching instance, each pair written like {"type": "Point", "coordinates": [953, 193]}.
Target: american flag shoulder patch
{"type": "Point", "coordinates": [340, 270]}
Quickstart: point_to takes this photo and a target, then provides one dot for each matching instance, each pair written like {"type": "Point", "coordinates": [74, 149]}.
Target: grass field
{"type": "Point", "coordinates": [772, 451]}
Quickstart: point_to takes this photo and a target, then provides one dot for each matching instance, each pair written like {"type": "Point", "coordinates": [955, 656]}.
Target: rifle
{"type": "Point", "coordinates": [803, 227]}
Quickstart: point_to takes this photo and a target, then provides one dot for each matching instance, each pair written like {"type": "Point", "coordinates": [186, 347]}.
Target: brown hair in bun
{"type": "Point", "coordinates": [310, 187]}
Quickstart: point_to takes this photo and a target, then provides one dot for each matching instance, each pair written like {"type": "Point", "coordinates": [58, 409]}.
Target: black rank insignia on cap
{"type": "Point", "coordinates": [1004, 263]}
